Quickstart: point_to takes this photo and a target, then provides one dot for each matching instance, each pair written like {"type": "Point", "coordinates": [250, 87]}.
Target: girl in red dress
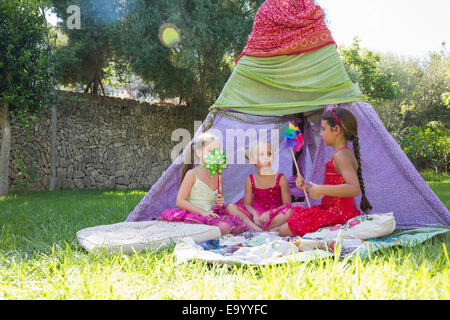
{"type": "Point", "coordinates": [342, 182]}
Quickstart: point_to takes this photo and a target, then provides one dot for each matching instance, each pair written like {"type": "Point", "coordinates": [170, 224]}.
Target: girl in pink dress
{"type": "Point", "coordinates": [198, 200]}
{"type": "Point", "coordinates": [267, 194]}
{"type": "Point", "coordinates": [342, 182]}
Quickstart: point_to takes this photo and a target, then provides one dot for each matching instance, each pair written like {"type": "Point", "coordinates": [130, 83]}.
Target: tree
{"type": "Point", "coordinates": [24, 76]}
{"type": "Point", "coordinates": [92, 46]}
{"type": "Point", "coordinates": [52, 94]}
{"type": "Point", "coordinates": [423, 87]}
{"type": "Point", "coordinates": [377, 84]}
{"type": "Point", "coordinates": [213, 33]}
{"type": "Point", "coordinates": [426, 102]}
{"type": "Point", "coordinates": [363, 67]}
{"type": "Point", "coordinates": [420, 114]}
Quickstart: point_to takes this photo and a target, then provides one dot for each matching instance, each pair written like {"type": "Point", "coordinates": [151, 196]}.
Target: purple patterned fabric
{"type": "Point", "coordinates": [392, 182]}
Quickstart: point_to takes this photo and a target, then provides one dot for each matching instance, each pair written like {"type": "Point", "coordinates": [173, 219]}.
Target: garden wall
{"type": "Point", "coordinates": [102, 143]}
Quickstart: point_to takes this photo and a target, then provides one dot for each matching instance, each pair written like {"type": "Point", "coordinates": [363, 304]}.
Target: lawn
{"type": "Point", "coordinates": [40, 259]}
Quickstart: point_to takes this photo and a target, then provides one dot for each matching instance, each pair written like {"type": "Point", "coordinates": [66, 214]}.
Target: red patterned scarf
{"type": "Point", "coordinates": [287, 27]}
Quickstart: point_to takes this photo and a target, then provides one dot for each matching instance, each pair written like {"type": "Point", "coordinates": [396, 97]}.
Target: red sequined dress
{"type": "Point", "coordinates": [268, 199]}
{"type": "Point", "coordinates": [331, 211]}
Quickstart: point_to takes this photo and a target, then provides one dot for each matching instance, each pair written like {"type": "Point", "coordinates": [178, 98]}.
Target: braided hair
{"type": "Point", "coordinates": [350, 131]}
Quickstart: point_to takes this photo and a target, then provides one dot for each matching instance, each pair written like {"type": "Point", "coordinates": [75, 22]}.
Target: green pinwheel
{"type": "Point", "coordinates": [215, 163]}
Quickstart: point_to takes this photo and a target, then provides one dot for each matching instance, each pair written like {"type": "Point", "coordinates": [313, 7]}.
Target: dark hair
{"type": "Point", "coordinates": [350, 131]}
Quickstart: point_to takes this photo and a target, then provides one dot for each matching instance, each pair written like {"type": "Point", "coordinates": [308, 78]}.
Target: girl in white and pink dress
{"type": "Point", "coordinates": [198, 200]}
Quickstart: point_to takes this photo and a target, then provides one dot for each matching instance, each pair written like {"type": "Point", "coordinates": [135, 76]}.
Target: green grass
{"type": "Point", "coordinates": [40, 259]}
{"type": "Point", "coordinates": [440, 184]}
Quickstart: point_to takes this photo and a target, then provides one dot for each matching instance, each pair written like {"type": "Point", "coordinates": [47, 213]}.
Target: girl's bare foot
{"type": "Point", "coordinates": [276, 229]}
{"type": "Point", "coordinates": [252, 226]}
{"type": "Point", "coordinates": [235, 211]}
{"type": "Point", "coordinates": [256, 228]}
{"type": "Point", "coordinates": [284, 230]}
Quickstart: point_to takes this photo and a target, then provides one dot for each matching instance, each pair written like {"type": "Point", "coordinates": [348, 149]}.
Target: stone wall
{"type": "Point", "coordinates": [102, 143]}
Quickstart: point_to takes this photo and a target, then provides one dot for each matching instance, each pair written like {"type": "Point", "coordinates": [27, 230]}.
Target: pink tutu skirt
{"type": "Point", "coordinates": [225, 221]}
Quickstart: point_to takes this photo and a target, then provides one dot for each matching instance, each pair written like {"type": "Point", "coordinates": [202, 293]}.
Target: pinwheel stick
{"type": "Point", "coordinates": [298, 173]}
{"type": "Point", "coordinates": [218, 179]}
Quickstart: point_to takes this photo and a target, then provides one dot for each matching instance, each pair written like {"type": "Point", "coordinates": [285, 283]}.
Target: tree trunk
{"type": "Point", "coordinates": [54, 131]}
{"type": "Point", "coordinates": [101, 86]}
{"type": "Point", "coordinates": [54, 114]}
{"type": "Point", "coordinates": [53, 147]}
{"type": "Point", "coordinates": [88, 86]}
{"type": "Point", "coordinates": [96, 84]}
{"type": "Point", "coordinates": [5, 149]}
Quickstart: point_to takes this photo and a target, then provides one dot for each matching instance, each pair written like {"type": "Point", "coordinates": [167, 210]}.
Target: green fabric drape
{"type": "Point", "coordinates": [283, 85]}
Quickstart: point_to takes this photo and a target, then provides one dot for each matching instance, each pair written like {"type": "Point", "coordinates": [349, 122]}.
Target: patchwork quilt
{"type": "Point", "coordinates": [261, 248]}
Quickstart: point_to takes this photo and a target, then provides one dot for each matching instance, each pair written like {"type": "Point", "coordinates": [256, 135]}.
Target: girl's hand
{"type": "Point", "coordinates": [315, 191]}
{"type": "Point", "coordinates": [220, 200]}
{"type": "Point", "coordinates": [300, 182]}
{"type": "Point", "coordinates": [256, 220]}
{"type": "Point", "coordinates": [208, 214]}
{"type": "Point", "coordinates": [264, 218]}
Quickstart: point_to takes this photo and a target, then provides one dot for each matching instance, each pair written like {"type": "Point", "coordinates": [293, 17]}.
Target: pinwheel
{"type": "Point", "coordinates": [294, 139]}
{"type": "Point", "coordinates": [216, 162]}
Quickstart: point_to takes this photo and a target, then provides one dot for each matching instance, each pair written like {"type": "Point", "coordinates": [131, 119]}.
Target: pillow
{"type": "Point", "coordinates": [362, 227]}
{"type": "Point", "coordinates": [127, 237]}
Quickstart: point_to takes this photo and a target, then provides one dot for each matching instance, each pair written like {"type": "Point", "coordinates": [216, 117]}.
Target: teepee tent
{"type": "Point", "coordinates": [290, 71]}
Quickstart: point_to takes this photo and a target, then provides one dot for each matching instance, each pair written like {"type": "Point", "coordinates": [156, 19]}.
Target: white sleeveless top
{"type": "Point", "coordinates": [201, 195]}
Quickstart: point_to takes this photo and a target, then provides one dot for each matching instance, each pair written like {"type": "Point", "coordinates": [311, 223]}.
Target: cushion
{"type": "Point", "coordinates": [127, 237]}
{"type": "Point", "coordinates": [362, 227]}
